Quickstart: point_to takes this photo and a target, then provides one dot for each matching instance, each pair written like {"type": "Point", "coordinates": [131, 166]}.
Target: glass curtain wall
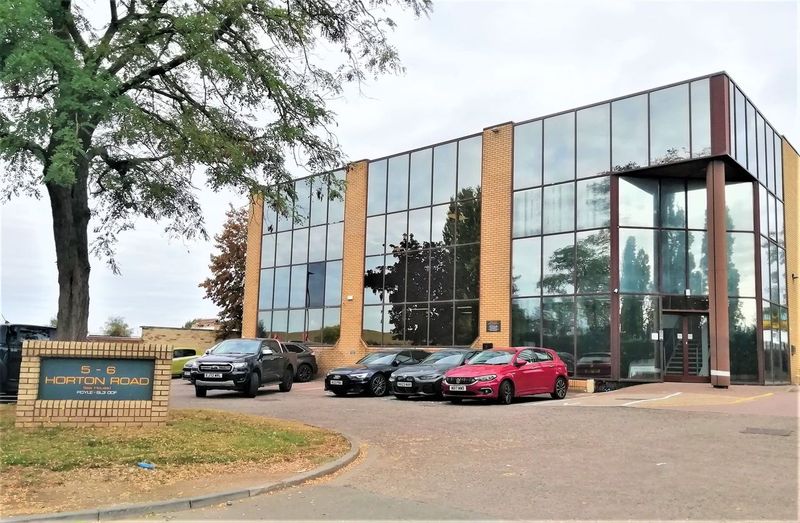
{"type": "Point", "coordinates": [422, 261]}
{"type": "Point", "coordinates": [758, 148]}
{"type": "Point", "coordinates": [301, 267]}
{"type": "Point", "coordinates": [561, 251]}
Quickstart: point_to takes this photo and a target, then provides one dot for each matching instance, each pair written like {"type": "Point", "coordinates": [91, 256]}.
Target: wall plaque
{"type": "Point", "coordinates": [493, 326]}
{"type": "Point", "coordinates": [96, 379]}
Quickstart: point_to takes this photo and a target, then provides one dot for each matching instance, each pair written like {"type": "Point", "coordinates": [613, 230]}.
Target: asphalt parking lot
{"type": "Point", "coordinates": [535, 459]}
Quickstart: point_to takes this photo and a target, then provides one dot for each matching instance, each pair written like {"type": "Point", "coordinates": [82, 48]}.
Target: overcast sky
{"type": "Point", "coordinates": [469, 66]}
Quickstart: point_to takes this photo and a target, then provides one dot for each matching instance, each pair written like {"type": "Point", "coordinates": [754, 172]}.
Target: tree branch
{"type": "Point", "coordinates": [69, 22]}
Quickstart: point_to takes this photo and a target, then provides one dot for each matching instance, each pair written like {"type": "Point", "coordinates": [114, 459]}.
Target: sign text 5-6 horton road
{"type": "Point", "coordinates": [95, 379]}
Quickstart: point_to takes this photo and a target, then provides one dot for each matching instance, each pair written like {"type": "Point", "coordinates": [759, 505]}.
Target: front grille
{"type": "Point", "coordinates": [215, 367]}
{"type": "Point", "coordinates": [460, 381]}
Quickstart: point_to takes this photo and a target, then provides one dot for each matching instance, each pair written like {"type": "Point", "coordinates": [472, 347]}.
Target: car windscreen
{"type": "Point", "coordinates": [443, 358]}
{"type": "Point", "coordinates": [16, 335]}
{"type": "Point", "coordinates": [237, 347]}
{"type": "Point", "coordinates": [378, 358]}
{"type": "Point", "coordinates": [492, 357]}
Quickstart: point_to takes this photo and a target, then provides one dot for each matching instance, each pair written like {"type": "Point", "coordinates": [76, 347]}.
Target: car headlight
{"type": "Point", "coordinates": [430, 377]}
{"type": "Point", "coordinates": [190, 364]}
{"type": "Point", "coordinates": [488, 377]}
{"type": "Point", "coordinates": [240, 365]}
{"type": "Point", "coordinates": [392, 377]}
{"type": "Point", "coordinates": [360, 375]}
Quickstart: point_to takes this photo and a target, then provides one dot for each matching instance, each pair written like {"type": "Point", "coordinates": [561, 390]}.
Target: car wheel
{"type": "Point", "coordinates": [505, 394]}
{"type": "Point", "coordinates": [286, 382]}
{"type": "Point", "coordinates": [560, 390]}
{"type": "Point", "coordinates": [377, 385]}
{"type": "Point", "coordinates": [251, 390]}
{"type": "Point", "coordinates": [200, 392]}
{"type": "Point", "coordinates": [304, 373]}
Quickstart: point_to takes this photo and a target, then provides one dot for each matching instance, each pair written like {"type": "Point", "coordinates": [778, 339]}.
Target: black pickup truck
{"type": "Point", "coordinates": [11, 337]}
{"type": "Point", "coordinates": [245, 365]}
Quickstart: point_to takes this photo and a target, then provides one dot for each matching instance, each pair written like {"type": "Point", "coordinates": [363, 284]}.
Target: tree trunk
{"type": "Point", "coordinates": [70, 208]}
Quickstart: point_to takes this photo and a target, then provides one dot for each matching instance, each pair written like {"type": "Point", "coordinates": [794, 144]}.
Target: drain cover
{"type": "Point", "coordinates": [768, 432]}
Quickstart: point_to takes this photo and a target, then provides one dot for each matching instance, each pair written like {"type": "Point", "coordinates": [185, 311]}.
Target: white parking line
{"type": "Point", "coordinates": [651, 399]}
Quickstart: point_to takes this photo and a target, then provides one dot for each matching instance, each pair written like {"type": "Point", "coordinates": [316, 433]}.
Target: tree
{"type": "Point", "coordinates": [53, 322]}
{"type": "Point", "coordinates": [116, 326]}
{"type": "Point", "coordinates": [112, 118]}
{"type": "Point", "coordinates": [226, 286]}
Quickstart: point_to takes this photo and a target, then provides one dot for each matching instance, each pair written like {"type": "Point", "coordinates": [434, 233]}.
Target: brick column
{"type": "Point", "coordinates": [718, 275]}
{"type": "Point", "coordinates": [791, 202]}
{"type": "Point", "coordinates": [350, 348]}
{"type": "Point", "coordinates": [496, 210]}
{"type": "Point", "coordinates": [252, 270]}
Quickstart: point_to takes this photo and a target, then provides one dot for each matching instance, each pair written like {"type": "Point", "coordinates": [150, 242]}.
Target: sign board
{"type": "Point", "coordinates": [96, 379]}
{"type": "Point", "coordinates": [492, 325]}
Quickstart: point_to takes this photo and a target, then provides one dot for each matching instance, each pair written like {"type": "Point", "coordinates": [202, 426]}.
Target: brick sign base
{"type": "Point", "coordinates": [94, 411]}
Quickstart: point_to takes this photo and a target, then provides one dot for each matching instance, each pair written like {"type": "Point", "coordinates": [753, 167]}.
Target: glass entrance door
{"type": "Point", "coordinates": [686, 344]}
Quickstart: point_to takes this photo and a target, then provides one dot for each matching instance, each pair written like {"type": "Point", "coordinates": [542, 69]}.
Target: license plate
{"type": "Point", "coordinates": [212, 375]}
{"type": "Point", "coordinates": [187, 374]}
{"type": "Point", "coordinates": [458, 387]}
{"type": "Point", "coordinates": [336, 382]}
{"type": "Point", "coordinates": [403, 384]}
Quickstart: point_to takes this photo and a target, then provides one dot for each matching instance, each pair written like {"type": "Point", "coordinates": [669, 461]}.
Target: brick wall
{"type": "Point", "coordinates": [252, 271]}
{"type": "Point", "coordinates": [496, 187]}
{"type": "Point", "coordinates": [350, 347]}
{"type": "Point", "coordinates": [200, 339]}
{"type": "Point", "coordinates": [791, 198]}
{"type": "Point", "coordinates": [32, 412]}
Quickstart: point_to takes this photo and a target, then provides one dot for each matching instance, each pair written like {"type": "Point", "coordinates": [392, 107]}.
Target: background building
{"type": "Point", "coordinates": [644, 238]}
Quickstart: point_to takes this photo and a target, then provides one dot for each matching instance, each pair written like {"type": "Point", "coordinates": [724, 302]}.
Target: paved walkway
{"type": "Point", "coordinates": [538, 458]}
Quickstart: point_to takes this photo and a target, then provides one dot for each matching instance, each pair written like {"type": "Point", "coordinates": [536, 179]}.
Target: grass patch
{"type": "Point", "coordinates": [190, 437]}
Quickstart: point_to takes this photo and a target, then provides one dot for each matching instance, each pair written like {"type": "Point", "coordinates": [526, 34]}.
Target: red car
{"type": "Point", "coordinates": [505, 374]}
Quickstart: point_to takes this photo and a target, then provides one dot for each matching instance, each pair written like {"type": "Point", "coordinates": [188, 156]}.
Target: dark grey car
{"type": "Point", "coordinates": [306, 368]}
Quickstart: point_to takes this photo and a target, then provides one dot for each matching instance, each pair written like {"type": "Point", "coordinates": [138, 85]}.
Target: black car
{"type": "Point", "coordinates": [425, 379]}
{"type": "Point", "coordinates": [306, 361]}
{"type": "Point", "coordinates": [245, 365]}
{"type": "Point", "coordinates": [11, 338]}
{"type": "Point", "coordinates": [371, 373]}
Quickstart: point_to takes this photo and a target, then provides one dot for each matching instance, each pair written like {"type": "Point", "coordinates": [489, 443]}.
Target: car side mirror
{"type": "Point", "coordinates": [520, 363]}
{"type": "Point", "coordinates": [395, 363]}
{"type": "Point", "coordinates": [267, 352]}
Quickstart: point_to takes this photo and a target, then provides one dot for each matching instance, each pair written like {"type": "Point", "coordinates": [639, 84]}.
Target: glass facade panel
{"type": "Point", "coordinates": [442, 277]}
{"type": "Point", "coordinates": [465, 323]}
{"type": "Point", "coordinates": [376, 188]}
{"type": "Point", "coordinates": [528, 155]}
{"type": "Point", "coordinates": [372, 329]}
{"type": "Point", "coordinates": [443, 219]}
{"type": "Point", "coordinates": [280, 323]}
{"type": "Point", "coordinates": [375, 234]}
{"type": "Point", "coordinates": [669, 124]}
{"type": "Point", "coordinates": [336, 206]}
{"type": "Point", "coordinates": [421, 166]}
{"type": "Point", "coordinates": [559, 148]}
{"type": "Point", "coordinates": [638, 202]}
{"type": "Point", "coordinates": [314, 325]}
{"type": "Point", "coordinates": [701, 118]}
{"type": "Point", "coordinates": [782, 294]}
{"type": "Point", "coordinates": [673, 203]}
{"type": "Point", "coordinates": [593, 337]}
{"type": "Point", "coordinates": [319, 202]}
{"type": "Point", "coordinates": [766, 288]}
{"type": "Point", "coordinates": [331, 325]}
{"type": "Point", "coordinates": [268, 250]}
{"type": "Point", "coordinates": [752, 162]}
{"type": "Point", "coordinates": [281, 292]}
{"type": "Point", "coordinates": [315, 289]}
{"type": "Point", "coordinates": [639, 353]}
{"type": "Point", "coordinates": [739, 206]}
{"type": "Point", "coordinates": [440, 327]}
{"type": "Point", "coordinates": [526, 322]}
{"type": "Point", "coordinates": [270, 219]}
{"type": "Point", "coordinates": [283, 250]}
{"type": "Point", "coordinates": [558, 318]}
{"type": "Point", "coordinates": [594, 203]}
{"type": "Point", "coordinates": [298, 286]}
{"type": "Point", "coordinates": [467, 269]}
{"type": "Point", "coordinates": [637, 260]}
{"type": "Point", "coordinates": [468, 223]}
{"type": "Point", "coordinates": [333, 283]}
{"type": "Point", "coordinates": [300, 246]}
{"type": "Point", "coordinates": [526, 267]}
{"type": "Point", "coordinates": [396, 225]}
{"type": "Point", "coordinates": [334, 248]}
{"type": "Point", "coordinates": [773, 230]}
{"type": "Point", "coordinates": [558, 255]}
{"type": "Point", "coordinates": [302, 205]}
{"type": "Point", "coordinates": [419, 228]}
{"type": "Point", "coordinates": [265, 289]}
{"type": "Point", "coordinates": [394, 279]}
{"type": "Point", "coordinates": [469, 163]}
{"type": "Point", "coordinates": [769, 146]}
{"type": "Point", "coordinates": [264, 325]}
{"type": "Point", "coordinates": [593, 269]}
{"type": "Point", "coordinates": [418, 276]}
{"type": "Point", "coordinates": [761, 148]}
{"type": "Point", "coordinates": [740, 127]}
{"type": "Point", "coordinates": [629, 133]}
{"type": "Point", "coordinates": [779, 229]}
{"type": "Point", "coordinates": [673, 262]}
{"type": "Point", "coordinates": [697, 261]}
{"type": "Point", "coordinates": [316, 244]}
{"type": "Point", "coordinates": [697, 203]}
{"type": "Point", "coordinates": [778, 165]}
{"type": "Point", "coordinates": [763, 209]}
{"type": "Point", "coordinates": [444, 172]}
{"type": "Point", "coordinates": [558, 208]}
{"type": "Point", "coordinates": [527, 212]}
{"type": "Point", "coordinates": [393, 324]}
{"type": "Point", "coordinates": [593, 148]}
{"type": "Point", "coordinates": [416, 324]}
{"type": "Point", "coordinates": [743, 343]}
{"type": "Point", "coordinates": [397, 186]}
{"type": "Point", "coordinates": [296, 324]}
